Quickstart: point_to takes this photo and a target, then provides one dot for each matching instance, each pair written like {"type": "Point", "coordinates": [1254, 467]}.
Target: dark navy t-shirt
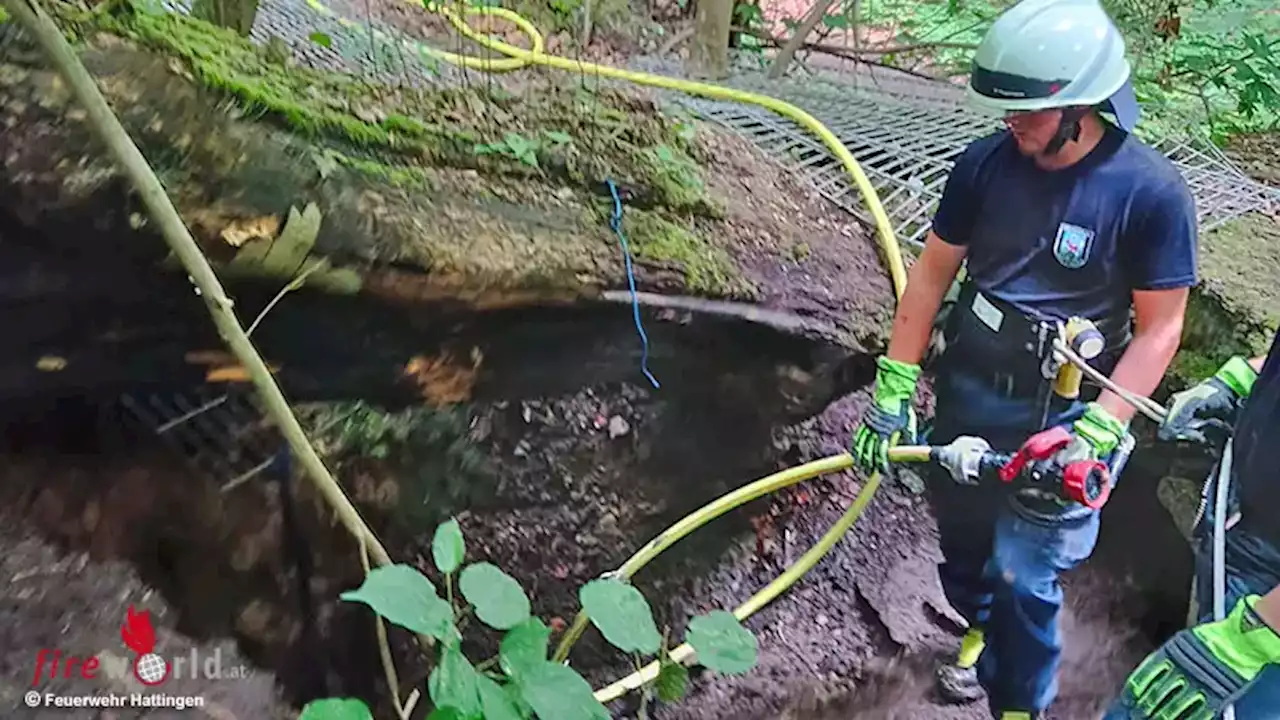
{"type": "Point", "coordinates": [1255, 462]}
{"type": "Point", "coordinates": [1076, 241]}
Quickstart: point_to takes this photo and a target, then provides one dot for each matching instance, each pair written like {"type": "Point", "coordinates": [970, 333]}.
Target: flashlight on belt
{"type": "Point", "coordinates": [1084, 338]}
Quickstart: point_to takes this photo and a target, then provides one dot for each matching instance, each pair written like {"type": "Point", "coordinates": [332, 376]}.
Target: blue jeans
{"type": "Point", "coordinates": [1000, 564]}
{"type": "Point", "coordinates": [1252, 568]}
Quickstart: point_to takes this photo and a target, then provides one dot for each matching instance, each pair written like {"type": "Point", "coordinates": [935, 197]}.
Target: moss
{"type": "Point", "coordinates": [1240, 261]}
{"type": "Point", "coordinates": [309, 102]}
{"type": "Point", "coordinates": [1236, 309]}
{"type": "Point", "coordinates": [438, 470]}
{"type": "Point", "coordinates": [578, 134]}
{"type": "Point", "coordinates": [414, 178]}
{"type": "Point", "coordinates": [707, 268]}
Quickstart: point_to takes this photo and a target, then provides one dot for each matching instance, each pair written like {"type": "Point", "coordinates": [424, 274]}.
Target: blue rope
{"type": "Point", "coordinates": [615, 222]}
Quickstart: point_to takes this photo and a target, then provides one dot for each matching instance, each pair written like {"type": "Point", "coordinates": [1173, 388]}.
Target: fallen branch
{"type": "Point", "coordinates": [792, 44]}
{"type": "Point", "coordinates": [858, 56]}
{"type": "Point", "coordinates": [676, 40]}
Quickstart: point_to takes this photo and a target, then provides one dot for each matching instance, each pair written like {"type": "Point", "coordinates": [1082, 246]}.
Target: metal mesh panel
{"type": "Point", "coordinates": [906, 136]}
{"type": "Point", "coordinates": [221, 432]}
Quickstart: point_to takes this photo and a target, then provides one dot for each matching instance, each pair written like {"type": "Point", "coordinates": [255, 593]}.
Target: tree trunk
{"type": "Point", "coordinates": [709, 48]}
{"type": "Point", "coordinates": [238, 15]}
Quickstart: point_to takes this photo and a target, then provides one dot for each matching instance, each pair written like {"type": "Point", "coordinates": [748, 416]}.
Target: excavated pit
{"type": "Point", "coordinates": [559, 461]}
{"type": "Point", "coordinates": [557, 499]}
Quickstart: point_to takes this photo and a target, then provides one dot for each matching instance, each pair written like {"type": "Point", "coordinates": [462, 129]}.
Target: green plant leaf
{"type": "Point", "coordinates": [500, 601]}
{"type": "Point", "coordinates": [513, 692]}
{"type": "Point", "coordinates": [556, 692]}
{"type": "Point", "coordinates": [321, 39]}
{"type": "Point", "coordinates": [448, 547]}
{"type": "Point", "coordinates": [407, 598]}
{"type": "Point", "coordinates": [336, 709]}
{"type": "Point", "coordinates": [524, 647]}
{"type": "Point", "coordinates": [496, 703]}
{"type": "Point", "coordinates": [722, 643]}
{"type": "Point", "coordinates": [621, 614]}
{"type": "Point", "coordinates": [446, 713]}
{"type": "Point", "coordinates": [516, 142]}
{"type": "Point", "coordinates": [453, 683]}
{"type": "Point", "coordinates": [672, 681]}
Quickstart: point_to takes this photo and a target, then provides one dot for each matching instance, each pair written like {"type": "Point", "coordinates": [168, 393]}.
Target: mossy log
{"type": "Point", "coordinates": [420, 232]}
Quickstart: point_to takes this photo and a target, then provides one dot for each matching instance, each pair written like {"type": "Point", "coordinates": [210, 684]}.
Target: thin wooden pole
{"type": "Point", "coordinates": [127, 156]}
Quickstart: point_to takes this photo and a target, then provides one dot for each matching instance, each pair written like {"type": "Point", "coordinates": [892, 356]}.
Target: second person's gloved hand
{"type": "Point", "coordinates": [890, 419]}
{"type": "Point", "coordinates": [1216, 399]}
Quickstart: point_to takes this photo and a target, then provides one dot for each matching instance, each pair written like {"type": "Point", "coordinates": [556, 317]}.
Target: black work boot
{"type": "Point", "coordinates": [958, 681]}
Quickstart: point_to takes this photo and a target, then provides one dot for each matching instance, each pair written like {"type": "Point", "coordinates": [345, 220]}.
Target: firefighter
{"type": "Point", "coordinates": [1062, 213]}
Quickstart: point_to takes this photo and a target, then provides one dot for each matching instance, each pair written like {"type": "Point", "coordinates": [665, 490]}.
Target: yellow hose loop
{"type": "Point", "coordinates": [684, 652]}
{"type": "Point", "coordinates": [705, 514]}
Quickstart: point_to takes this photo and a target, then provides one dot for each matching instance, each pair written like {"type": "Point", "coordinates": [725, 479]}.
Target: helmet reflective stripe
{"type": "Point", "coordinates": [1049, 54]}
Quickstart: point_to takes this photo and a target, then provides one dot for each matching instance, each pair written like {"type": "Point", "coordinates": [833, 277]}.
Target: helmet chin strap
{"type": "Point", "coordinates": [1068, 129]}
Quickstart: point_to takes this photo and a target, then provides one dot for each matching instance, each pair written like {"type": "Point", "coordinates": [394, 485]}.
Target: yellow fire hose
{"type": "Point", "coordinates": [517, 58]}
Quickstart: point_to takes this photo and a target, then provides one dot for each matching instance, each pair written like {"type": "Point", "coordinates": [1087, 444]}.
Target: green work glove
{"type": "Point", "coordinates": [890, 419]}
{"type": "Point", "coordinates": [1100, 430]}
{"type": "Point", "coordinates": [1241, 640]}
{"type": "Point", "coordinates": [1212, 402]}
{"type": "Point", "coordinates": [1240, 644]}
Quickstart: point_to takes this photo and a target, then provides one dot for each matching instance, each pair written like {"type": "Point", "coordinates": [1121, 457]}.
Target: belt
{"type": "Point", "coordinates": [993, 339]}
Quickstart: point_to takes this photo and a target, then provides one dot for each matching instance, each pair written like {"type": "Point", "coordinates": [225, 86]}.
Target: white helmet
{"type": "Point", "coordinates": [1042, 54]}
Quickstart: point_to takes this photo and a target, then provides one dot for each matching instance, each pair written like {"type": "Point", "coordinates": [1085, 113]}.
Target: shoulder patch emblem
{"type": "Point", "coordinates": [1072, 245]}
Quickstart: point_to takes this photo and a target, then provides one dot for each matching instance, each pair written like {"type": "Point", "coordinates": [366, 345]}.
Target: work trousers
{"type": "Point", "coordinates": [1000, 564]}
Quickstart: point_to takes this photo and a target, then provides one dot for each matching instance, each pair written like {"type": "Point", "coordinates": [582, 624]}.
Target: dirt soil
{"type": "Point", "coordinates": [70, 603]}
{"type": "Point", "coordinates": [581, 481]}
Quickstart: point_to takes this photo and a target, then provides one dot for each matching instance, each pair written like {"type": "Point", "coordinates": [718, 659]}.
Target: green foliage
{"type": "Point", "coordinates": [1195, 61]}
{"type": "Point", "coordinates": [529, 685]}
{"type": "Point", "coordinates": [672, 682]}
{"type": "Point", "coordinates": [722, 643]}
{"type": "Point", "coordinates": [407, 598]}
{"type": "Point", "coordinates": [336, 709]}
{"type": "Point", "coordinates": [621, 614]}
{"type": "Point", "coordinates": [1210, 61]}
{"type": "Point", "coordinates": [499, 600]}
{"type": "Point", "coordinates": [525, 150]}
{"type": "Point", "coordinates": [448, 547]}
{"type": "Point", "coordinates": [427, 449]}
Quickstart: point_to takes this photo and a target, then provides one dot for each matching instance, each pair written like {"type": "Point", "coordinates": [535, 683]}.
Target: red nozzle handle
{"type": "Point", "coordinates": [1040, 446]}
{"type": "Point", "coordinates": [1087, 482]}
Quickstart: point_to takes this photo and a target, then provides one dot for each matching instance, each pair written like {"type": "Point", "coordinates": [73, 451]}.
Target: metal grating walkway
{"type": "Point", "coordinates": [906, 135]}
